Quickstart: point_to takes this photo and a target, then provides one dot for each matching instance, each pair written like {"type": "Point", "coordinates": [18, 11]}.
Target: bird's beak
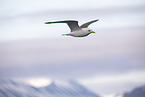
{"type": "Point", "coordinates": [92, 32]}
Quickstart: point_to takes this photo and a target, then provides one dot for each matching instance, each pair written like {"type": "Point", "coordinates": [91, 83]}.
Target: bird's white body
{"type": "Point", "coordinates": [80, 33]}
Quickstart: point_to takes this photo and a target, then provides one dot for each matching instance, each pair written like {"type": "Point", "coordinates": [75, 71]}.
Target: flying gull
{"type": "Point", "coordinates": [76, 30]}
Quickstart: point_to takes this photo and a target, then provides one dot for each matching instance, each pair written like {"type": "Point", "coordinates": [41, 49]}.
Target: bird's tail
{"type": "Point", "coordinates": [65, 34]}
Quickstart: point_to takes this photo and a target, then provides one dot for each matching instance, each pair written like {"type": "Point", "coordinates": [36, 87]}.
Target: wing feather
{"type": "Point", "coordinates": [85, 25]}
{"type": "Point", "coordinates": [73, 24]}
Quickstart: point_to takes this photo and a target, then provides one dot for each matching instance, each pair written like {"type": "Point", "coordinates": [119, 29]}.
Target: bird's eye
{"type": "Point", "coordinates": [89, 30]}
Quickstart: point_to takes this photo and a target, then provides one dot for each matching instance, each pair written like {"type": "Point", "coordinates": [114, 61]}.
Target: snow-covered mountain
{"type": "Point", "coordinates": [137, 92]}
{"type": "Point", "coordinates": [12, 88]}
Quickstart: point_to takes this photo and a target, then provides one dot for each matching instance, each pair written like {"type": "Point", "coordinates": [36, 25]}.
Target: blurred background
{"type": "Point", "coordinates": [109, 62]}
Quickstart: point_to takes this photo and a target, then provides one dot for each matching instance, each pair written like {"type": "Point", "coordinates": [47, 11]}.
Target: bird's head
{"type": "Point", "coordinates": [90, 30]}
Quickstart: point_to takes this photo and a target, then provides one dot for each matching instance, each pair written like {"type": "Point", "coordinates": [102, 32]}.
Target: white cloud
{"type": "Point", "coordinates": [38, 82]}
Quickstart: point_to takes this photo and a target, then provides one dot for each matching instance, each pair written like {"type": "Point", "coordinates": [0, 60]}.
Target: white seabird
{"type": "Point", "coordinates": [76, 30]}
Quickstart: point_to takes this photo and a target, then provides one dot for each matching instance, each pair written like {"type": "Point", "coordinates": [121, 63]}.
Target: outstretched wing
{"type": "Point", "coordinates": [85, 25]}
{"type": "Point", "coordinates": [71, 23]}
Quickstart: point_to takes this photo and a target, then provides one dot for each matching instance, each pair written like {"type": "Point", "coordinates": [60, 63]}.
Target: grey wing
{"type": "Point", "coordinates": [71, 23]}
{"type": "Point", "coordinates": [85, 25]}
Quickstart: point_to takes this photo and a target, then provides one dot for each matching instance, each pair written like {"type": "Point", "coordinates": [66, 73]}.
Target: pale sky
{"type": "Point", "coordinates": [28, 16]}
{"type": "Point", "coordinates": [15, 7]}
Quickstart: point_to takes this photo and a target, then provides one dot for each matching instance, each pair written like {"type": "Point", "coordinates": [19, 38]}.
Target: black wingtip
{"type": "Point", "coordinates": [97, 20]}
{"type": "Point", "coordinates": [47, 23]}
